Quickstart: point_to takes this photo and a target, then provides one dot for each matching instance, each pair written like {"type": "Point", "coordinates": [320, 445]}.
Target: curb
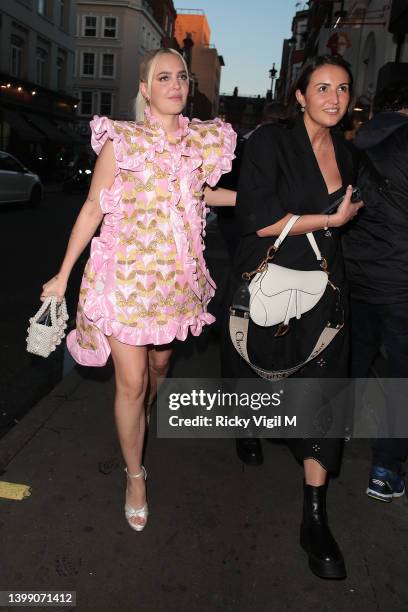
{"type": "Point", "coordinates": [21, 434]}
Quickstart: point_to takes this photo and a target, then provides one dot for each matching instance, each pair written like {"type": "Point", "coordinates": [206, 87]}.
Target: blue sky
{"type": "Point", "coordinates": [249, 35]}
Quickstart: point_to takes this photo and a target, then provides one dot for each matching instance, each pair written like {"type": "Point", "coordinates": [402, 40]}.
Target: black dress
{"type": "Point", "coordinates": [280, 175]}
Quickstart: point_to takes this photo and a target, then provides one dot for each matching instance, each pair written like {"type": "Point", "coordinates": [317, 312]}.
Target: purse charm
{"type": "Point", "coordinates": [47, 327]}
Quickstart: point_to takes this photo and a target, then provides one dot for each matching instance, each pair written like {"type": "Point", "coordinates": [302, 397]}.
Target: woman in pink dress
{"type": "Point", "coordinates": [146, 281]}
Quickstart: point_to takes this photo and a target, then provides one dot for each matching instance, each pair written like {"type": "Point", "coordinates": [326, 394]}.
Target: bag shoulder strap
{"type": "Point", "coordinates": [238, 327]}
{"type": "Point", "coordinates": [309, 235]}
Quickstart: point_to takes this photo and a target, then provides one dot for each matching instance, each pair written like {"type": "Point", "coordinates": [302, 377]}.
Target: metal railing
{"type": "Point", "coordinates": [183, 11]}
{"type": "Point", "coordinates": [242, 95]}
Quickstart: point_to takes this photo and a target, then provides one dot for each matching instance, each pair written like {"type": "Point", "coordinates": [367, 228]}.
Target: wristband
{"type": "Point", "coordinates": [326, 226]}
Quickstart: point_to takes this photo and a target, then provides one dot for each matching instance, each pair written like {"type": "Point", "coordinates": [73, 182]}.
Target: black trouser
{"type": "Point", "coordinates": [374, 325]}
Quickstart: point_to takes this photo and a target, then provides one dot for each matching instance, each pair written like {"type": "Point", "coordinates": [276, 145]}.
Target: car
{"type": "Point", "coordinates": [18, 183]}
{"type": "Point", "coordinates": [80, 174]}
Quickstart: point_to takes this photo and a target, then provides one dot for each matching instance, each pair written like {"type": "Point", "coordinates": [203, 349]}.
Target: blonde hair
{"type": "Point", "coordinates": [147, 68]}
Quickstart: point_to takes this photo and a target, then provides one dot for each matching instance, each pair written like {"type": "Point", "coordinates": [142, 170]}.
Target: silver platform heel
{"type": "Point", "coordinates": [131, 512]}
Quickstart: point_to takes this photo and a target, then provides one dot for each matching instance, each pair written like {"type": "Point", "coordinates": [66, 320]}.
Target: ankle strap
{"type": "Point", "coordinates": [139, 475]}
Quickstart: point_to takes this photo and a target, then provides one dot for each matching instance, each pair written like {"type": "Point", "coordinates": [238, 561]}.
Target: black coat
{"type": "Point", "coordinates": [280, 175]}
{"type": "Point", "coordinates": [376, 243]}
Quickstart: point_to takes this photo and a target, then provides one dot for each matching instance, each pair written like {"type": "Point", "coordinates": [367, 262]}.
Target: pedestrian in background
{"type": "Point", "coordinates": [146, 282]}
{"type": "Point", "coordinates": [376, 255]}
{"type": "Point", "coordinates": [227, 223]}
{"type": "Point", "coordinates": [301, 168]}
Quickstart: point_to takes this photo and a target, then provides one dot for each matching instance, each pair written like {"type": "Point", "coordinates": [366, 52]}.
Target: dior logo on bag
{"type": "Point", "coordinates": [47, 327]}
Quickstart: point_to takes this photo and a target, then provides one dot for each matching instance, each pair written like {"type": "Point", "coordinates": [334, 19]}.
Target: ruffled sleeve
{"type": "Point", "coordinates": [101, 129]}
{"type": "Point", "coordinates": [219, 146]}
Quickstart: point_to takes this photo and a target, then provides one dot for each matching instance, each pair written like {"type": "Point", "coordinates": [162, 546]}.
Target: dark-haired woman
{"type": "Point", "coordinates": [300, 169]}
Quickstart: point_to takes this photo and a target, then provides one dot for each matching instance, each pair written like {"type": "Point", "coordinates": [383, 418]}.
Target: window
{"type": "Point", "coordinates": [40, 65]}
{"type": "Point", "coordinates": [61, 20]}
{"type": "Point", "coordinates": [109, 27]}
{"type": "Point", "coordinates": [61, 72]}
{"type": "Point", "coordinates": [88, 64]}
{"type": "Point", "coordinates": [168, 24]}
{"type": "Point", "coordinates": [89, 25]}
{"type": "Point", "coordinates": [108, 65]}
{"type": "Point", "coordinates": [9, 164]}
{"type": "Point", "coordinates": [45, 8]}
{"type": "Point", "coordinates": [85, 105]}
{"type": "Point", "coordinates": [16, 53]}
{"type": "Point", "coordinates": [106, 103]}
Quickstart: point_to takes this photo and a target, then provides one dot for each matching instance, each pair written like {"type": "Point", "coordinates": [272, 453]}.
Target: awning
{"type": "Point", "coordinates": [50, 131]}
{"type": "Point", "coordinates": [73, 136]}
{"type": "Point", "coordinates": [20, 126]}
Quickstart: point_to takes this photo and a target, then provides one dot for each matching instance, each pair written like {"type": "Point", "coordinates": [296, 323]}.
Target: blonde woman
{"type": "Point", "coordinates": [146, 282]}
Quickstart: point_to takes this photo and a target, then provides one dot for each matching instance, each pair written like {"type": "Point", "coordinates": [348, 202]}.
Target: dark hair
{"type": "Point", "coordinates": [308, 69]}
{"type": "Point", "coordinates": [392, 98]}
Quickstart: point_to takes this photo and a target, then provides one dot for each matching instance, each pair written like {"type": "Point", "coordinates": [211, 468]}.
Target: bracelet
{"type": "Point", "coordinates": [326, 227]}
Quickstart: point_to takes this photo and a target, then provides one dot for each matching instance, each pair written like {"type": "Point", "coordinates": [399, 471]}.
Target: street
{"type": "Point", "coordinates": [32, 243]}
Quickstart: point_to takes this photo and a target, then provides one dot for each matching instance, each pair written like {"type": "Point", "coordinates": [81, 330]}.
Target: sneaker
{"type": "Point", "coordinates": [385, 484]}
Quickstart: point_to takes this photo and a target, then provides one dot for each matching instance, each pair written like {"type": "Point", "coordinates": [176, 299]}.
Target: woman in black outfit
{"type": "Point", "coordinates": [300, 169]}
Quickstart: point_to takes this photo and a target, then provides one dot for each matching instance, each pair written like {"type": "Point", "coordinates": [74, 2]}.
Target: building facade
{"type": "Point", "coordinates": [359, 31]}
{"type": "Point", "coordinates": [244, 112]}
{"type": "Point", "coordinates": [369, 34]}
{"type": "Point", "coordinates": [193, 35]}
{"type": "Point", "coordinates": [165, 15]}
{"type": "Point", "coordinates": [37, 106]}
{"type": "Point", "coordinates": [111, 39]}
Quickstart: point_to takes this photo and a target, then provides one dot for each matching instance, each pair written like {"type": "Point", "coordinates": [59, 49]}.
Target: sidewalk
{"type": "Point", "coordinates": [221, 536]}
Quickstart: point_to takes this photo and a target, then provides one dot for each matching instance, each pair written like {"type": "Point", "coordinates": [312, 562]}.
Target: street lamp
{"type": "Point", "coordinates": [272, 75]}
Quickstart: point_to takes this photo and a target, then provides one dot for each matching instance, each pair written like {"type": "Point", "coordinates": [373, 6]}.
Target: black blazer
{"type": "Point", "coordinates": [280, 174]}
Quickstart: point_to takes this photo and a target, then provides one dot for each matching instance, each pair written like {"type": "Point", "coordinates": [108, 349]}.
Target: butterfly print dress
{"type": "Point", "coordinates": [146, 281]}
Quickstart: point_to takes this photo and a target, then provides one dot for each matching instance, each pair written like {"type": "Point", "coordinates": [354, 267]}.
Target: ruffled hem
{"type": "Point", "coordinates": [86, 357]}
{"type": "Point", "coordinates": [156, 335]}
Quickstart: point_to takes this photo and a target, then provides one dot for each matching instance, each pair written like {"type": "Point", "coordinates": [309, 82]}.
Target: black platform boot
{"type": "Point", "coordinates": [325, 558]}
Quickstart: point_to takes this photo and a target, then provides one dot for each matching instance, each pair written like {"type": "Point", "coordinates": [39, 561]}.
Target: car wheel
{"type": "Point", "coordinates": [35, 196]}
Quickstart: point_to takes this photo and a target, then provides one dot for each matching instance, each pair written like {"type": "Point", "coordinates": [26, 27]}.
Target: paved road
{"type": "Point", "coordinates": [221, 537]}
{"type": "Point", "coordinates": [32, 243]}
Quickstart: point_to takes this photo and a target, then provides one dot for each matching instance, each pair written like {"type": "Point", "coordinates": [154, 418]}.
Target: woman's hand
{"type": "Point", "coordinates": [56, 286]}
{"type": "Point", "coordinates": [346, 211]}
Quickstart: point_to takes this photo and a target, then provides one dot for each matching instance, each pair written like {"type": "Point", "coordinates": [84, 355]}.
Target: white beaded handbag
{"type": "Point", "coordinates": [47, 327]}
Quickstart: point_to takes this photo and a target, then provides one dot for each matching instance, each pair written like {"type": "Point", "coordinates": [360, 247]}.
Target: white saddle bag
{"type": "Point", "coordinates": [277, 294]}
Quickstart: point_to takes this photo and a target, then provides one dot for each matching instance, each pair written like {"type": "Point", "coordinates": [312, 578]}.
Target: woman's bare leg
{"type": "Point", "coordinates": [315, 474]}
{"type": "Point", "coordinates": [131, 375]}
{"type": "Point", "coordinates": [159, 360]}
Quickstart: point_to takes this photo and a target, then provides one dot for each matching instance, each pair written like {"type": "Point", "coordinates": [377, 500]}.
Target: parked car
{"type": "Point", "coordinates": [17, 183]}
{"type": "Point", "coordinates": [80, 174]}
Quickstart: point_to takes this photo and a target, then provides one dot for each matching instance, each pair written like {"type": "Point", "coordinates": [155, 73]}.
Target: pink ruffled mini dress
{"type": "Point", "coordinates": [146, 281]}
